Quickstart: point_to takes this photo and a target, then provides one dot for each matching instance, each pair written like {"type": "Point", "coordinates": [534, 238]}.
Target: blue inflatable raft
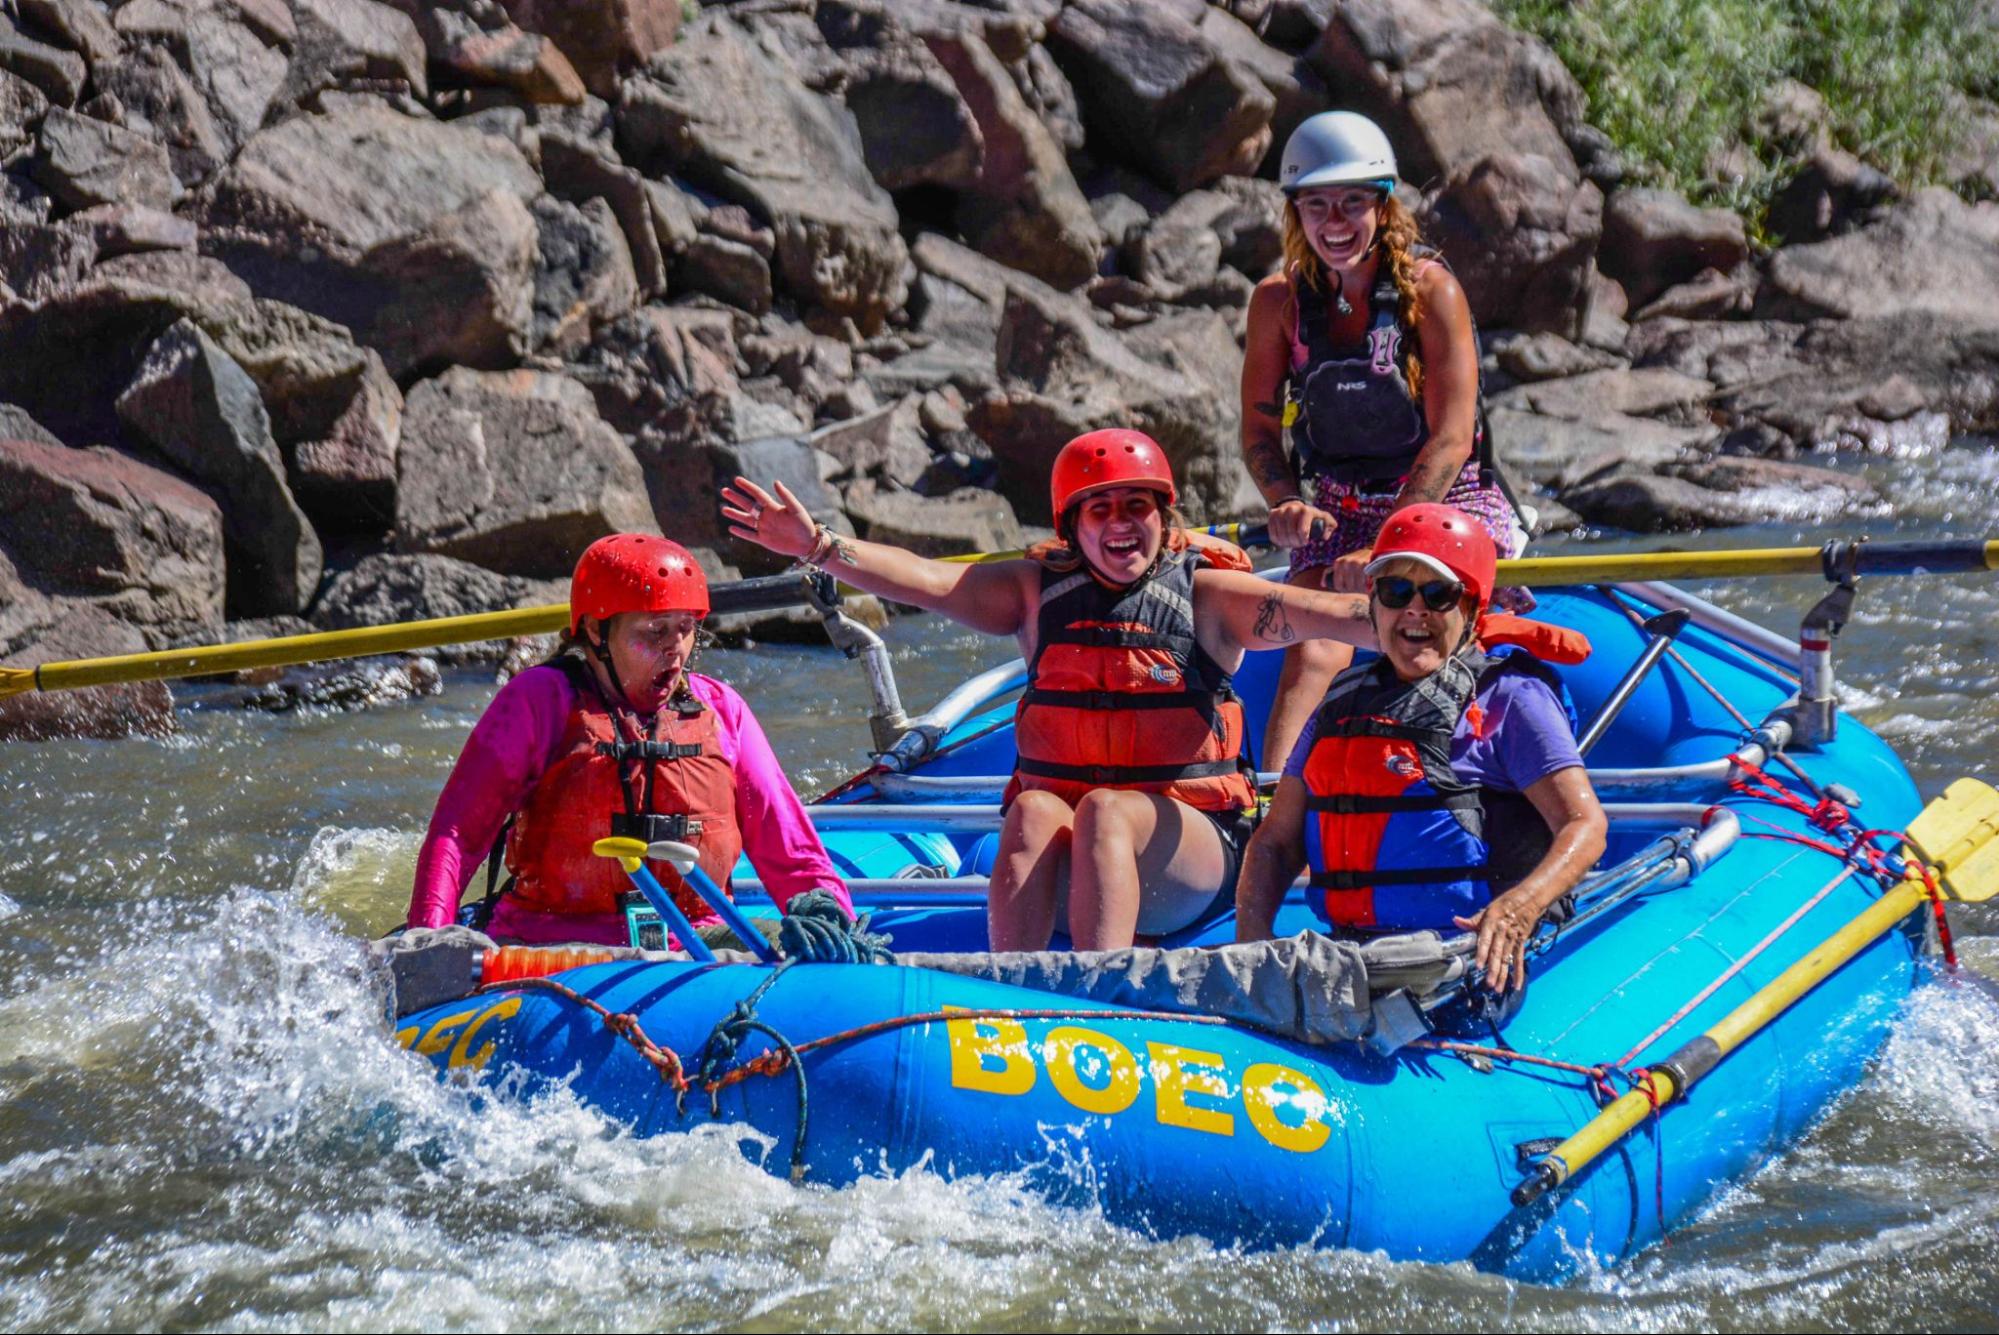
{"type": "Point", "coordinates": [1182, 1124]}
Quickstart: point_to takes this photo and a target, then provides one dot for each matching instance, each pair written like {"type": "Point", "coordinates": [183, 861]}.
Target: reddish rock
{"type": "Point", "coordinates": [1520, 231]}
{"type": "Point", "coordinates": [141, 545]}
{"type": "Point", "coordinates": [514, 471]}
{"type": "Point", "coordinates": [1654, 239]}
{"type": "Point", "coordinates": [605, 39]}
{"type": "Point", "coordinates": [1157, 93]}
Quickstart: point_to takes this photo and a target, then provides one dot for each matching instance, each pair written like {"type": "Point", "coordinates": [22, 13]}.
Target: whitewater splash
{"type": "Point", "coordinates": [227, 1138]}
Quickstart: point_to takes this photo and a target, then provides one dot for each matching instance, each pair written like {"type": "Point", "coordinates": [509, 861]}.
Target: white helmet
{"type": "Point", "coordinates": [1337, 148]}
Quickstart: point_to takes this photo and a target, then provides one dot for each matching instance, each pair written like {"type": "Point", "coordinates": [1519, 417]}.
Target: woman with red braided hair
{"type": "Point", "coordinates": [1362, 348]}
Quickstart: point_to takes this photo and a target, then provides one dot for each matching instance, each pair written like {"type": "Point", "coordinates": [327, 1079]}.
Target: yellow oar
{"type": "Point", "coordinates": [1955, 835]}
{"type": "Point", "coordinates": [748, 595]}
{"type": "Point", "coordinates": [1881, 558]}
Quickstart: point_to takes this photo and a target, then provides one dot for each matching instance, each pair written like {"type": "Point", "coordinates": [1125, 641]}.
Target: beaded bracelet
{"type": "Point", "coordinates": [823, 541]}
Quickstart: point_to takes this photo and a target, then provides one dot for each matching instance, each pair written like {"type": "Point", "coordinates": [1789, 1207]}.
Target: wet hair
{"type": "Point", "coordinates": [1398, 236]}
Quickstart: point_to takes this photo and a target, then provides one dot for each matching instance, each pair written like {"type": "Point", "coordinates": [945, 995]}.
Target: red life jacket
{"type": "Point", "coordinates": [1121, 695]}
{"type": "Point", "coordinates": [675, 769]}
{"type": "Point", "coordinates": [1395, 839]}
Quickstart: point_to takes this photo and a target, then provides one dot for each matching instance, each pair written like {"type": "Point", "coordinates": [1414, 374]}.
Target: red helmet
{"type": "Point", "coordinates": [1445, 539]}
{"type": "Point", "coordinates": [1114, 457]}
{"type": "Point", "coordinates": [635, 572]}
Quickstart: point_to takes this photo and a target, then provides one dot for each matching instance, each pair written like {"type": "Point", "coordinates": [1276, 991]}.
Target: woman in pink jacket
{"type": "Point", "coordinates": [615, 736]}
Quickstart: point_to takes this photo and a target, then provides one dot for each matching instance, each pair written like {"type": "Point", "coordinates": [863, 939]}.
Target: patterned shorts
{"type": "Point", "coordinates": [1361, 515]}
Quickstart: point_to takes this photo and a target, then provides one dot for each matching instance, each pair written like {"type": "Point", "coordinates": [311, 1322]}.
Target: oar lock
{"type": "Point", "coordinates": [1815, 720]}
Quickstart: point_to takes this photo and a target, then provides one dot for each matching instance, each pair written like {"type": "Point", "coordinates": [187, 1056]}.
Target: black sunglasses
{"type": "Point", "coordinates": [1395, 591]}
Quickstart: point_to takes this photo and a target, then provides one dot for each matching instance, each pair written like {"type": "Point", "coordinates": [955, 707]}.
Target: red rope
{"type": "Point", "coordinates": [778, 1060]}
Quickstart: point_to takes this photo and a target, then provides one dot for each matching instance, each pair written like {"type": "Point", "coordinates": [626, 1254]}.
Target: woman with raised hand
{"type": "Point", "coordinates": [615, 735]}
{"type": "Point", "coordinates": [1363, 347]}
{"type": "Point", "coordinates": [1439, 785]}
{"type": "Point", "coordinates": [1130, 797]}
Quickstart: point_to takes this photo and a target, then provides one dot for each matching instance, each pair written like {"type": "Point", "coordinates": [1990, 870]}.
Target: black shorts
{"type": "Point", "coordinates": [1235, 828]}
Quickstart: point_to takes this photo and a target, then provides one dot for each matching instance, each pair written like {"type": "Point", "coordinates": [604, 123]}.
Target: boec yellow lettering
{"type": "Point", "coordinates": [1178, 1073]}
{"type": "Point", "coordinates": [1121, 1084]}
{"type": "Point", "coordinates": [975, 1044]}
{"type": "Point", "coordinates": [461, 1053]}
{"type": "Point", "coordinates": [1264, 1088]}
{"type": "Point", "coordinates": [438, 1037]}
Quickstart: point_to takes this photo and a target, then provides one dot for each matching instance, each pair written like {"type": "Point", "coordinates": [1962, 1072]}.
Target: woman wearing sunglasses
{"type": "Point", "coordinates": [1362, 347]}
{"type": "Point", "coordinates": [1130, 798]}
{"type": "Point", "coordinates": [1438, 786]}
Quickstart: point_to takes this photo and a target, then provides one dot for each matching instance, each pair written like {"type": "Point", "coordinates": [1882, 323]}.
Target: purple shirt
{"type": "Point", "coordinates": [1523, 736]}
{"type": "Point", "coordinates": [516, 740]}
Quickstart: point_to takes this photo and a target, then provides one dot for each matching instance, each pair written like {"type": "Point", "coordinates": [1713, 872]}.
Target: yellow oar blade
{"type": "Point", "coordinates": [13, 681]}
{"type": "Point", "coordinates": [1958, 834]}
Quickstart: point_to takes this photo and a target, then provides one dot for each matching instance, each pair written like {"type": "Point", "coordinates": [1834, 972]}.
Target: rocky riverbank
{"type": "Point", "coordinates": [330, 312]}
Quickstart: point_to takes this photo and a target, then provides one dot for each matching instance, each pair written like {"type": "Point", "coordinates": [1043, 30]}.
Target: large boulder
{"type": "Point", "coordinates": [85, 162]}
{"type": "Point", "coordinates": [915, 129]}
{"type": "Point", "coordinates": [583, 277]}
{"type": "Point", "coordinates": [347, 41]}
{"type": "Point", "coordinates": [1451, 84]}
{"type": "Point", "coordinates": [414, 234]}
{"type": "Point", "coordinates": [198, 408]}
{"type": "Point", "coordinates": [1023, 207]}
{"type": "Point", "coordinates": [1837, 381]}
{"type": "Point", "coordinates": [604, 40]}
{"type": "Point", "coordinates": [1155, 93]}
{"type": "Point", "coordinates": [733, 120]}
{"type": "Point", "coordinates": [59, 75]}
{"type": "Point", "coordinates": [234, 54]}
{"type": "Point", "coordinates": [1062, 373]}
{"type": "Point", "coordinates": [67, 358]}
{"type": "Point", "coordinates": [1521, 232]}
{"type": "Point", "coordinates": [1935, 255]}
{"type": "Point", "coordinates": [387, 587]}
{"type": "Point", "coordinates": [514, 471]}
{"type": "Point", "coordinates": [96, 525]}
{"type": "Point", "coordinates": [161, 102]}
{"type": "Point", "coordinates": [966, 521]}
{"type": "Point", "coordinates": [1654, 239]}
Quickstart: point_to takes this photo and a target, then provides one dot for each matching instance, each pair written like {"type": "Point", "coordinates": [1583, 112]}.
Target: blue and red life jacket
{"type": "Point", "coordinates": [1395, 839]}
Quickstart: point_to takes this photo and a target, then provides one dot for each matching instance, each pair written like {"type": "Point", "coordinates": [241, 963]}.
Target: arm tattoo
{"type": "Point", "coordinates": [843, 550]}
{"type": "Point", "coordinates": [1428, 481]}
{"type": "Point", "coordinates": [1272, 625]}
{"type": "Point", "coordinates": [1267, 465]}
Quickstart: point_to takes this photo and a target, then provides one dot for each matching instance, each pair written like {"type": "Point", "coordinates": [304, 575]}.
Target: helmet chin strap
{"type": "Point", "coordinates": [600, 649]}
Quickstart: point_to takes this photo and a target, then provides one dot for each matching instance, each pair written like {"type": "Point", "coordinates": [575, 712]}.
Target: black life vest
{"type": "Point", "coordinates": [1356, 421]}
{"type": "Point", "coordinates": [1395, 839]}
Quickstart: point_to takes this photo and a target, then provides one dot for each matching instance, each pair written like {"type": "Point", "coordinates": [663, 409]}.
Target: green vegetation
{"type": "Point", "coordinates": [1681, 86]}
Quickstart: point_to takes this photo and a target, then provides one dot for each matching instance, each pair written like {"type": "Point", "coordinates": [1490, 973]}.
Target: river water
{"type": "Point", "coordinates": [202, 1124]}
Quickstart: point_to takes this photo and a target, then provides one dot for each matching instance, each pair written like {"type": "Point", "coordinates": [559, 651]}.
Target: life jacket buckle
{"type": "Point", "coordinates": [653, 827]}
